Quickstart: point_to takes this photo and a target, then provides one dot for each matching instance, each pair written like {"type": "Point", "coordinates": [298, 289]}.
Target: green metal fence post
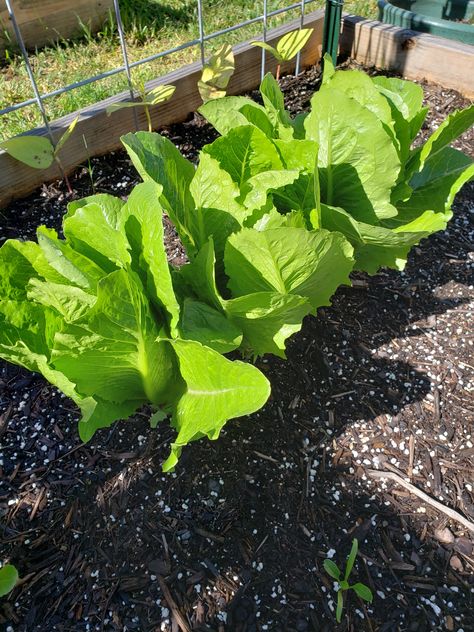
{"type": "Point", "coordinates": [332, 26]}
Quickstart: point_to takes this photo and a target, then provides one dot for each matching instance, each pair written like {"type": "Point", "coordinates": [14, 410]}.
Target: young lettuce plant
{"type": "Point", "coordinates": [98, 315]}
{"type": "Point", "coordinates": [342, 580]}
{"type": "Point", "coordinates": [158, 95]}
{"type": "Point", "coordinates": [216, 74]}
{"type": "Point", "coordinates": [373, 186]}
{"type": "Point", "coordinates": [262, 271]}
{"type": "Point", "coordinates": [38, 151]}
{"type": "Point", "coordinates": [287, 47]}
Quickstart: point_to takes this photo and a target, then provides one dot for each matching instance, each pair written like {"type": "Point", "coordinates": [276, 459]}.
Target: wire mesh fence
{"type": "Point", "coordinates": [39, 99]}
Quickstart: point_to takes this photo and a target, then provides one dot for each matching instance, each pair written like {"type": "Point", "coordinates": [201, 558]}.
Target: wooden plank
{"type": "Point", "coordinates": [44, 21]}
{"type": "Point", "coordinates": [103, 132]}
{"type": "Point", "coordinates": [414, 55]}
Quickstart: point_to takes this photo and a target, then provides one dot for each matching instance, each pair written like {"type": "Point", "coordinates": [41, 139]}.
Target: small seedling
{"type": "Point", "coordinates": [8, 579]}
{"type": "Point", "coordinates": [90, 168]}
{"type": "Point", "coordinates": [158, 95]}
{"type": "Point", "coordinates": [38, 151]}
{"type": "Point", "coordinates": [359, 588]}
{"type": "Point", "coordinates": [216, 74]}
{"type": "Point", "coordinates": [288, 46]}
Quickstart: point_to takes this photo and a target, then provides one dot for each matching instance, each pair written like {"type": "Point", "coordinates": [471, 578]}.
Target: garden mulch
{"type": "Point", "coordinates": [235, 539]}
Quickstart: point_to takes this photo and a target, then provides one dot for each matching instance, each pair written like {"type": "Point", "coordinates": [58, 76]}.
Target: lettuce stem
{"type": "Point", "coordinates": [317, 194]}
{"type": "Point", "coordinates": [148, 118]}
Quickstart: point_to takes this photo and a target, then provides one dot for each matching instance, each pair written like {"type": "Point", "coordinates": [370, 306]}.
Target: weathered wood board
{"type": "Point", "coordinates": [44, 21]}
{"type": "Point", "coordinates": [414, 55]}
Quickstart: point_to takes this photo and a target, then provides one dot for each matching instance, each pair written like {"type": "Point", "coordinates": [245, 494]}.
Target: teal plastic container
{"type": "Point", "coordinates": [446, 18]}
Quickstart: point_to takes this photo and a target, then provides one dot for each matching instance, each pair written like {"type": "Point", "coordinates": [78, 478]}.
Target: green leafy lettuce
{"type": "Point", "coordinates": [262, 271]}
{"type": "Point", "coordinates": [354, 153]}
{"type": "Point", "coordinates": [97, 313]}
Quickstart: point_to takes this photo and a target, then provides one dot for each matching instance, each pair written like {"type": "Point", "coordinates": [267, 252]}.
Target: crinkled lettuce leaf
{"type": "Point", "coordinates": [267, 319]}
{"type": "Point", "coordinates": [217, 390]}
{"type": "Point", "coordinates": [288, 260]}
{"type": "Point", "coordinates": [209, 326]}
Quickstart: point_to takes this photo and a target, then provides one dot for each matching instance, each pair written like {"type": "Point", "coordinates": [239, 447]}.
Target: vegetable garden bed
{"type": "Point", "coordinates": [235, 539]}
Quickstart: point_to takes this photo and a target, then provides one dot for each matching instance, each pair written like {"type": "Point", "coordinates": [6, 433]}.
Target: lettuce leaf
{"type": "Point", "coordinates": [158, 160]}
{"type": "Point", "coordinates": [267, 319]}
{"type": "Point", "coordinates": [200, 275]}
{"type": "Point", "coordinates": [289, 261]}
{"type": "Point", "coordinates": [217, 213]}
{"type": "Point", "coordinates": [216, 390]}
{"type": "Point", "coordinates": [229, 112]}
{"type": "Point", "coordinates": [353, 175]}
{"type": "Point", "coordinates": [203, 323]}
{"type": "Point", "coordinates": [143, 222]}
{"type": "Point", "coordinates": [252, 152]}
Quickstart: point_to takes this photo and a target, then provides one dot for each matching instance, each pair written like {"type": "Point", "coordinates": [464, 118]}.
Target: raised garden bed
{"type": "Point", "coordinates": [235, 539]}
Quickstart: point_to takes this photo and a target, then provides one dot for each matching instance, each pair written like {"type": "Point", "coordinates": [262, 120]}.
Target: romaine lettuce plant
{"type": "Point", "coordinates": [273, 220]}
{"type": "Point", "coordinates": [98, 315]}
{"type": "Point", "coordinates": [264, 272]}
{"type": "Point", "coordinates": [351, 161]}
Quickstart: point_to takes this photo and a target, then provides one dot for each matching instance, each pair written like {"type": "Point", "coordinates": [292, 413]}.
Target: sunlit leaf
{"type": "Point", "coordinates": [268, 48]}
{"type": "Point", "coordinates": [34, 151]}
{"type": "Point", "coordinates": [329, 68]}
{"type": "Point", "coordinates": [216, 73]}
{"type": "Point", "coordinates": [208, 91]}
{"type": "Point", "coordinates": [290, 44]}
{"type": "Point", "coordinates": [115, 107]}
{"type": "Point", "coordinates": [160, 94]}
{"type": "Point", "coordinates": [65, 137]}
{"type": "Point", "coordinates": [217, 390]}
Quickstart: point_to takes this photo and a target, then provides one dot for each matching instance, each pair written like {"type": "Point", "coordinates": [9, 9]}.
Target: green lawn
{"type": "Point", "coordinates": [151, 26]}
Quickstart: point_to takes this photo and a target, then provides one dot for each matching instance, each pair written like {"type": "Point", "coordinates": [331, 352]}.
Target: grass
{"type": "Point", "coordinates": [150, 26]}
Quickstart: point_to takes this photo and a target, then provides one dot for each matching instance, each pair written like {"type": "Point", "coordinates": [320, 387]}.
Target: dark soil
{"type": "Point", "coordinates": [235, 539]}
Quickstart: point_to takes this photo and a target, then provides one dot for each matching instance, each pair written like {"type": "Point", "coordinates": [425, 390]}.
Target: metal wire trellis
{"type": "Point", "coordinates": [298, 56]}
{"type": "Point", "coordinates": [265, 22]}
{"type": "Point", "coordinates": [127, 67]}
{"type": "Point", "coordinates": [38, 99]}
{"type": "Point", "coordinates": [123, 46]}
